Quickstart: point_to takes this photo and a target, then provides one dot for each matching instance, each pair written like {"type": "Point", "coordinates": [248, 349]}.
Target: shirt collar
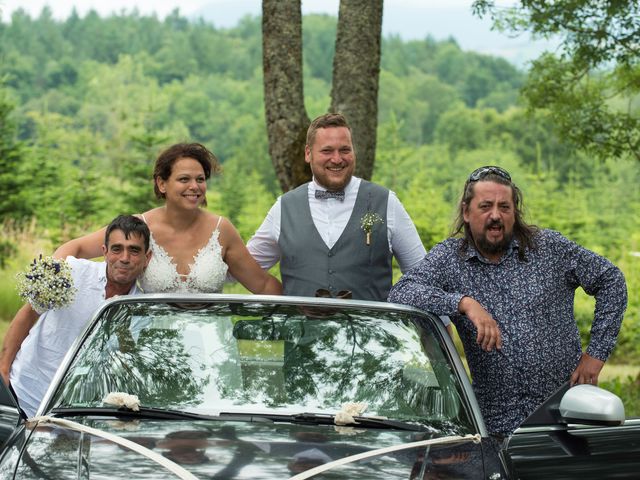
{"type": "Point", "coordinates": [472, 252]}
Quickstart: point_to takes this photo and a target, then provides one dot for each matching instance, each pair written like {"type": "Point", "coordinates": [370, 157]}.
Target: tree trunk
{"type": "Point", "coordinates": [286, 116]}
{"type": "Point", "coordinates": [356, 72]}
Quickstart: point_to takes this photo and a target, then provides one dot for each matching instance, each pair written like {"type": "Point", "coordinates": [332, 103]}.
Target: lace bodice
{"type": "Point", "coordinates": [206, 274]}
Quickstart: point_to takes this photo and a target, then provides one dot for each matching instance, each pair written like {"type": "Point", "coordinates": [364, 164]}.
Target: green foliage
{"type": "Point", "coordinates": [416, 102]}
{"type": "Point", "coordinates": [581, 105]}
{"type": "Point", "coordinates": [420, 80]}
{"type": "Point", "coordinates": [26, 243]}
{"type": "Point", "coordinates": [12, 180]}
{"type": "Point", "coordinates": [593, 32]}
{"type": "Point", "coordinates": [627, 390]}
{"type": "Point", "coordinates": [461, 128]}
{"type": "Point", "coordinates": [318, 40]}
{"type": "Point", "coordinates": [590, 88]}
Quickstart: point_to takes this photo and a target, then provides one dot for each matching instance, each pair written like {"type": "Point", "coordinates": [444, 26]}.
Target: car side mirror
{"type": "Point", "coordinates": [591, 405]}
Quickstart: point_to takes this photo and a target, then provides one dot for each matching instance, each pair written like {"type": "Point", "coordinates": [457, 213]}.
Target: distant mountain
{"type": "Point", "coordinates": [410, 23]}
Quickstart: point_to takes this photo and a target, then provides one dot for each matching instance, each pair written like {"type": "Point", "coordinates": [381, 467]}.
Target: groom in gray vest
{"type": "Point", "coordinates": [337, 232]}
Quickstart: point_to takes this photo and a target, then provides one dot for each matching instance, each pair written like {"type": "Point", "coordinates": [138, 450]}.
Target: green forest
{"type": "Point", "coordinates": [86, 104]}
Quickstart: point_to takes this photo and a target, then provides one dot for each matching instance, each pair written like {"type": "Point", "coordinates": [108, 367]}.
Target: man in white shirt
{"type": "Point", "coordinates": [30, 362]}
{"type": "Point", "coordinates": [337, 232]}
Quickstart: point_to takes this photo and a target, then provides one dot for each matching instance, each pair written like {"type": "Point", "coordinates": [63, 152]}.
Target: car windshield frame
{"type": "Point", "coordinates": [316, 312]}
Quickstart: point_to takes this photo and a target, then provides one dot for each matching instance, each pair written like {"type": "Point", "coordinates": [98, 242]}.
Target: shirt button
{"type": "Point", "coordinates": [330, 272]}
{"type": "Point", "coordinates": [331, 254]}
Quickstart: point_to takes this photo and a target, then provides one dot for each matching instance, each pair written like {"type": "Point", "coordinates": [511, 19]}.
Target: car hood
{"type": "Point", "coordinates": [219, 449]}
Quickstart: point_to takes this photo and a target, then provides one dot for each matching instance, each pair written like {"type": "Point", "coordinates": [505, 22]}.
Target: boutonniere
{"type": "Point", "coordinates": [47, 284]}
{"type": "Point", "coordinates": [367, 223]}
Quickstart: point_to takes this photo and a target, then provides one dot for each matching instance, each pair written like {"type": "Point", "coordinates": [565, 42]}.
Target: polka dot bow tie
{"type": "Point", "coordinates": [337, 194]}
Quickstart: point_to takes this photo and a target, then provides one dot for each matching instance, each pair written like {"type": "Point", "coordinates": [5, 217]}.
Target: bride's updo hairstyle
{"type": "Point", "coordinates": [166, 159]}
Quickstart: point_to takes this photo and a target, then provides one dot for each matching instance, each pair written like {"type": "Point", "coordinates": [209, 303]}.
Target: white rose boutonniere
{"type": "Point", "coordinates": [47, 284]}
{"type": "Point", "coordinates": [367, 222]}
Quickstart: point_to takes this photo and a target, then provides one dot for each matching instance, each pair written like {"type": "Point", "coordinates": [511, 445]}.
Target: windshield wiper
{"type": "Point", "coordinates": [144, 412]}
{"type": "Point", "coordinates": [373, 422]}
{"type": "Point", "coordinates": [324, 419]}
{"type": "Point", "coordinates": [299, 418]}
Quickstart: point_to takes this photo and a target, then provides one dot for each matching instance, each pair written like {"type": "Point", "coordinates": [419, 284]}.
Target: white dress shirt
{"type": "Point", "coordinates": [330, 216]}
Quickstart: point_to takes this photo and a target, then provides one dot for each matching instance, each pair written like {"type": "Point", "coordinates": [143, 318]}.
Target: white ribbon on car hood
{"type": "Point", "coordinates": [173, 467]}
{"type": "Point", "coordinates": [381, 451]}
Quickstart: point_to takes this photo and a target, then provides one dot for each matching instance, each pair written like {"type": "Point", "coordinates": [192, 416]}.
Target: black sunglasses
{"type": "Point", "coordinates": [480, 173]}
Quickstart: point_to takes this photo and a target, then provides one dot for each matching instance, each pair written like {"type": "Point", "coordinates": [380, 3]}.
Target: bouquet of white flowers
{"type": "Point", "coordinates": [47, 284]}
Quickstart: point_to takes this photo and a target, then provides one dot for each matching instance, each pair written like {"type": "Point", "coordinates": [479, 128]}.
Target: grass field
{"type": "Point", "coordinates": [611, 371]}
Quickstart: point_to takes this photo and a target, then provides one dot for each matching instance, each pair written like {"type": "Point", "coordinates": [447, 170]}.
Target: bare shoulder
{"type": "Point", "coordinates": [225, 226]}
{"type": "Point", "coordinates": [152, 215]}
{"type": "Point", "coordinates": [228, 232]}
{"type": "Point", "coordinates": [211, 220]}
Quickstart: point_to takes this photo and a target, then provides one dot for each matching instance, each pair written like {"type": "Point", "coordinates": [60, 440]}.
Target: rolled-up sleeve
{"type": "Point", "coordinates": [263, 246]}
{"type": "Point", "coordinates": [404, 241]}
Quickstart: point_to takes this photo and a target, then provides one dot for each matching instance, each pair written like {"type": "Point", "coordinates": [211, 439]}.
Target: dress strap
{"type": "Point", "coordinates": [143, 219]}
{"type": "Point", "coordinates": [219, 220]}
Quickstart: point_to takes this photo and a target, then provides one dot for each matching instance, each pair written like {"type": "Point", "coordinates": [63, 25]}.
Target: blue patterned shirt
{"type": "Point", "coordinates": [532, 302]}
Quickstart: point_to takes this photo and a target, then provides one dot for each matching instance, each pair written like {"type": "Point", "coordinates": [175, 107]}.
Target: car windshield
{"type": "Point", "coordinates": [211, 358]}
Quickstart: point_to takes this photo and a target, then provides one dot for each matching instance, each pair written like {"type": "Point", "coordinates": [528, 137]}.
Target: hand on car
{"type": "Point", "coordinates": [488, 332]}
{"type": "Point", "coordinates": [587, 371]}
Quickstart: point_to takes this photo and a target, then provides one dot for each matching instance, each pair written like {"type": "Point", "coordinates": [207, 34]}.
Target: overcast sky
{"type": "Point", "coordinates": [61, 8]}
{"type": "Point", "coordinates": [411, 19]}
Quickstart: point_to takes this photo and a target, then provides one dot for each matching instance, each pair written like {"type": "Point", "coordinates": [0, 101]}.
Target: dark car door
{"type": "Point", "coordinates": [9, 413]}
{"type": "Point", "coordinates": [549, 446]}
{"type": "Point", "coordinates": [575, 452]}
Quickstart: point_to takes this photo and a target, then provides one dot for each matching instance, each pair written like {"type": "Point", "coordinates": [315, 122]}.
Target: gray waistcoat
{"type": "Point", "coordinates": [307, 264]}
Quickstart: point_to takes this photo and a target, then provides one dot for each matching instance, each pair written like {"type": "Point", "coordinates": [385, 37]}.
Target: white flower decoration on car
{"type": "Point", "coordinates": [349, 410]}
{"type": "Point", "coordinates": [121, 399]}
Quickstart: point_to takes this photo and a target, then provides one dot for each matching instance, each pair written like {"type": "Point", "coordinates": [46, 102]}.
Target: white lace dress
{"type": "Point", "coordinates": [206, 274]}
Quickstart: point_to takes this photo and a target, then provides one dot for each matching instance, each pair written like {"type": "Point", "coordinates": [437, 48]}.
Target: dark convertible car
{"type": "Point", "coordinates": [257, 387]}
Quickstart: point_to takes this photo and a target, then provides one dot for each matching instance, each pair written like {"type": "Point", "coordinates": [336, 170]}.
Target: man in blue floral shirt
{"type": "Point", "coordinates": [509, 289]}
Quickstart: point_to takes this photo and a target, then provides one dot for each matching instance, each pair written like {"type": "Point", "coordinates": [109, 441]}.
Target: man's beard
{"type": "Point", "coordinates": [493, 248]}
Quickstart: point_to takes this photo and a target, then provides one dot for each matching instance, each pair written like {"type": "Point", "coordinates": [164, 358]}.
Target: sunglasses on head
{"type": "Point", "coordinates": [480, 173]}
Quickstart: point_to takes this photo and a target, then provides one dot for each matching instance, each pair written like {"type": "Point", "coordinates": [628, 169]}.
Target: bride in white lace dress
{"type": "Point", "coordinates": [192, 248]}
